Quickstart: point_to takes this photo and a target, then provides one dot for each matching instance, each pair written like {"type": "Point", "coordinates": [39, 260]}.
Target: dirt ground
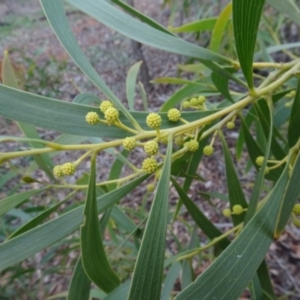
{"type": "Point", "coordinates": [24, 32]}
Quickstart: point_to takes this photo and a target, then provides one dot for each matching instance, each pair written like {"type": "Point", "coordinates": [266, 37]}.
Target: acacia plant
{"type": "Point", "coordinates": [263, 106]}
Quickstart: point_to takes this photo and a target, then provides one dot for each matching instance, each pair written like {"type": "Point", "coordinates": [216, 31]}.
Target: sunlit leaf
{"type": "Point", "coordinates": [219, 28]}
{"type": "Point", "coordinates": [196, 26]}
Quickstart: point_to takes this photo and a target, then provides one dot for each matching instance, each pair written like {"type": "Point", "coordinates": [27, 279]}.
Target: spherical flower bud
{"type": "Point", "coordinates": [150, 187]}
{"type": "Point", "coordinates": [192, 145]}
{"type": "Point", "coordinates": [201, 99]}
{"type": "Point", "coordinates": [226, 212]}
{"type": "Point", "coordinates": [105, 105]}
{"type": "Point", "coordinates": [153, 120]}
{"type": "Point", "coordinates": [68, 168]}
{"type": "Point", "coordinates": [193, 101]}
{"type": "Point", "coordinates": [92, 118]}
{"type": "Point", "coordinates": [174, 115]}
{"type": "Point", "coordinates": [296, 222]}
{"type": "Point", "coordinates": [129, 143]}
{"type": "Point", "coordinates": [179, 140]}
{"type": "Point", "coordinates": [186, 104]}
{"type": "Point", "coordinates": [57, 171]}
{"type": "Point", "coordinates": [151, 147]}
{"type": "Point", "coordinates": [208, 150]}
{"type": "Point", "coordinates": [259, 160]}
{"type": "Point", "coordinates": [164, 140]}
{"type": "Point", "coordinates": [111, 115]}
{"type": "Point", "coordinates": [230, 125]}
{"type": "Point", "coordinates": [158, 174]}
{"type": "Point", "coordinates": [267, 170]}
{"type": "Point", "coordinates": [237, 209]}
{"type": "Point", "coordinates": [149, 165]}
{"type": "Point", "coordinates": [296, 209]}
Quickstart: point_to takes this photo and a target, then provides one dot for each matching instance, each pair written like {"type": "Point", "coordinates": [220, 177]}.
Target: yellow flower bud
{"type": "Point", "coordinates": [201, 99]}
{"type": "Point", "coordinates": [230, 125]}
{"type": "Point", "coordinates": [179, 140]}
{"type": "Point", "coordinates": [150, 187]}
{"type": "Point", "coordinates": [208, 150]}
{"type": "Point", "coordinates": [151, 147]}
{"type": "Point", "coordinates": [174, 115]}
{"type": "Point", "coordinates": [153, 120]}
{"type": "Point", "coordinates": [68, 168]}
{"type": "Point", "coordinates": [259, 160]}
{"type": "Point", "coordinates": [149, 165]}
{"type": "Point", "coordinates": [237, 209]}
{"type": "Point", "coordinates": [296, 209]}
{"type": "Point", "coordinates": [186, 104]}
{"type": "Point", "coordinates": [92, 118]}
{"type": "Point", "coordinates": [57, 171]}
{"type": "Point", "coordinates": [226, 212]}
{"type": "Point", "coordinates": [111, 115]}
{"type": "Point", "coordinates": [105, 105]}
{"type": "Point", "coordinates": [192, 145]}
{"type": "Point", "coordinates": [194, 102]}
{"type": "Point", "coordinates": [129, 143]}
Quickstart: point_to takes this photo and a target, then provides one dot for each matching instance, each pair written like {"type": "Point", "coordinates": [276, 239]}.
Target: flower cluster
{"type": "Point", "coordinates": [195, 102]}
{"type": "Point", "coordinates": [67, 169]}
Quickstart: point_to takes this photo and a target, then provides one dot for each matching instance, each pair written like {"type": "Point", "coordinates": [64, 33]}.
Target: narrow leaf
{"type": "Point", "coordinates": [131, 82]}
{"type": "Point", "coordinates": [198, 216]}
{"type": "Point", "coordinates": [221, 84]}
{"type": "Point", "coordinates": [220, 26]}
{"type": "Point", "coordinates": [239, 261]}
{"type": "Point", "coordinates": [294, 124]}
{"type": "Point", "coordinates": [70, 117]}
{"type": "Point", "coordinates": [291, 196]}
{"type": "Point", "coordinates": [93, 255]}
{"type": "Point", "coordinates": [55, 14]}
{"type": "Point", "coordinates": [80, 283]}
{"type": "Point", "coordinates": [144, 96]}
{"type": "Point", "coordinates": [173, 80]}
{"type": "Point", "coordinates": [246, 17]}
{"type": "Point", "coordinates": [235, 191]}
{"type": "Point", "coordinates": [134, 12]}
{"type": "Point", "coordinates": [143, 33]}
{"type": "Point", "coordinates": [148, 272]}
{"type": "Point", "coordinates": [120, 293]}
{"type": "Point", "coordinates": [40, 218]}
{"type": "Point", "coordinates": [8, 78]}
{"type": "Point", "coordinates": [170, 280]}
{"type": "Point", "coordinates": [86, 99]}
{"type": "Point", "coordinates": [196, 26]}
{"type": "Point", "coordinates": [287, 7]}
{"type": "Point", "coordinates": [10, 202]}
{"type": "Point", "coordinates": [43, 236]}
